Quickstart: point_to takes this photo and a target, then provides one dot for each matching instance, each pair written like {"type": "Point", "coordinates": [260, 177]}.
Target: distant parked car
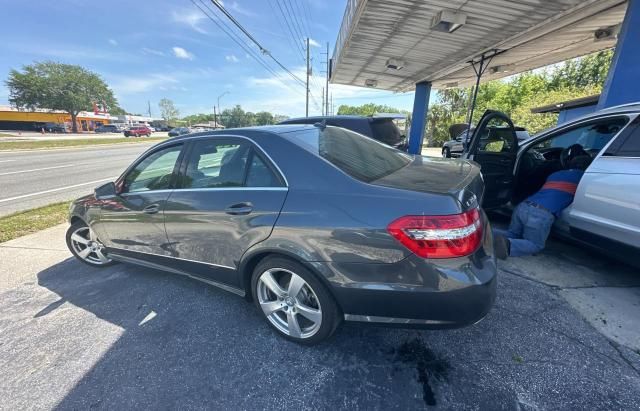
{"type": "Point", "coordinates": [178, 131]}
{"type": "Point", "coordinates": [107, 128]}
{"type": "Point", "coordinates": [604, 214]}
{"type": "Point", "coordinates": [54, 128]}
{"type": "Point", "coordinates": [455, 148]}
{"type": "Point", "coordinates": [137, 131]}
{"type": "Point", "coordinates": [382, 129]}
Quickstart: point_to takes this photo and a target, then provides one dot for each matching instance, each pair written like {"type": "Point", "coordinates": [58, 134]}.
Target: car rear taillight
{"type": "Point", "coordinates": [440, 236]}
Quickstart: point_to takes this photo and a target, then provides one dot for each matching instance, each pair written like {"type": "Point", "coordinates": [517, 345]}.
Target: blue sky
{"type": "Point", "coordinates": [147, 50]}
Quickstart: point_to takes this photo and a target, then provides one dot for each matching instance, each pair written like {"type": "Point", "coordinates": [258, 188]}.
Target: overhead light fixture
{"type": "Point", "coordinates": [395, 64]}
{"type": "Point", "coordinates": [448, 21]}
{"type": "Point", "coordinates": [504, 68]}
{"type": "Point", "coordinates": [370, 82]}
{"type": "Point", "coordinates": [606, 33]}
{"type": "Point", "coordinates": [451, 85]}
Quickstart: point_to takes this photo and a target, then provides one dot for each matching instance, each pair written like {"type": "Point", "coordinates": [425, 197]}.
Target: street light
{"type": "Point", "coordinates": [215, 119]}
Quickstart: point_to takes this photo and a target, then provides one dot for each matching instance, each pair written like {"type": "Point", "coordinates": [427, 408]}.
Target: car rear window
{"type": "Point", "coordinates": [359, 156]}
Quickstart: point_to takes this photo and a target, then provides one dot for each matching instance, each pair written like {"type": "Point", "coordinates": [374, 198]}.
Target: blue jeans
{"type": "Point", "coordinates": [528, 231]}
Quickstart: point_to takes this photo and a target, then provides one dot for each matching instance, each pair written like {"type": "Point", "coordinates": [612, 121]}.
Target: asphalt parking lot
{"type": "Point", "coordinates": [74, 337]}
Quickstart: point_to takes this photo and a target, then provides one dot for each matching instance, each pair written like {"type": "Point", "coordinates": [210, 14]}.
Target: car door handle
{"type": "Point", "coordinates": [239, 209]}
{"type": "Point", "coordinates": [151, 209]}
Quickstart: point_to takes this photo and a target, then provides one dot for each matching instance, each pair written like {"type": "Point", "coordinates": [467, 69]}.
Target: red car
{"type": "Point", "coordinates": [137, 131]}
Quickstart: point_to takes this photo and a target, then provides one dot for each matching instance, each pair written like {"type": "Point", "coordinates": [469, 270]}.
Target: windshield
{"type": "Point", "coordinates": [361, 157]}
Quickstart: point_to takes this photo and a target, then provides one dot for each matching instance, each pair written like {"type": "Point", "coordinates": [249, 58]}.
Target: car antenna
{"type": "Point", "coordinates": [321, 124]}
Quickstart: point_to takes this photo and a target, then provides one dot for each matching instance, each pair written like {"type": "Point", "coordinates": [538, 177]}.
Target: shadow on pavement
{"type": "Point", "coordinates": [188, 345]}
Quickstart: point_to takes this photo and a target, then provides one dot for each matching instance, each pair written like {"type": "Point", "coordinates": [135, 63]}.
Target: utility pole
{"type": "Point", "coordinates": [307, 102]}
{"type": "Point", "coordinates": [332, 108]}
{"type": "Point", "coordinates": [149, 107]}
{"type": "Point", "coordinates": [215, 118]}
{"type": "Point", "coordinates": [326, 77]}
{"type": "Point", "coordinates": [322, 109]}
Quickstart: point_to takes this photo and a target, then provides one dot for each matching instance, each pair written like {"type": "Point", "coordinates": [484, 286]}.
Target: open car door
{"type": "Point", "coordinates": [494, 146]}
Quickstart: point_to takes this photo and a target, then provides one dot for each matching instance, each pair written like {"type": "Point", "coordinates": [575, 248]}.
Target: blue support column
{"type": "Point", "coordinates": [419, 116]}
{"type": "Point", "coordinates": [623, 81]}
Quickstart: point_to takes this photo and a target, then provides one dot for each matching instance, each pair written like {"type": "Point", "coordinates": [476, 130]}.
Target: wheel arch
{"type": "Point", "coordinates": [76, 219]}
{"type": "Point", "coordinates": [251, 261]}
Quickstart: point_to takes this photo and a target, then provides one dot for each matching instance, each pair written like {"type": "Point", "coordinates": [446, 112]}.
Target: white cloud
{"type": "Point", "coordinates": [147, 50]}
{"type": "Point", "coordinates": [239, 9]}
{"type": "Point", "coordinates": [191, 18]}
{"type": "Point", "coordinates": [231, 58]}
{"type": "Point", "coordinates": [113, 42]}
{"type": "Point", "coordinates": [181, 53]}
{"type": "Point", "coordinates": [142, 84]}
{"type": "Point", "coordinates": [284, 95]}
{"type": "Point", "coordinates": [312, 42]}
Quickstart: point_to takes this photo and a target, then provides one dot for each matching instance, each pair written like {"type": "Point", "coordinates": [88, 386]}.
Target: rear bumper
{"type": "Point", "coordinates": [416, 292]}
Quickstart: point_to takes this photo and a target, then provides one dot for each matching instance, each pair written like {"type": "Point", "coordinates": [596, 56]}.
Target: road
{"type": "Point", "coordinates": [74, 337]}
{"type": "Point", "coordinates": [35, 178]}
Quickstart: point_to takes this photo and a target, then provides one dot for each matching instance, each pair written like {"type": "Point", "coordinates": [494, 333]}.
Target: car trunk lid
{"type": "Point", "coordinates": [459, 178]}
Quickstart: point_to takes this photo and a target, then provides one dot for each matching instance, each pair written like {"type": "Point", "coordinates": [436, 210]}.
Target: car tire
{"type": "Point", "coordinates": [85, 246]}
{"type": "Point", "coordinates": [446, 152]}
{"type": "Point", "coordinates": [308, 317]}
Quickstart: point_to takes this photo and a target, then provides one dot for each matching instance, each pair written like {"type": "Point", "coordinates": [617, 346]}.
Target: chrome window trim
{"type": "Point", "coordinates": [169, 256]}
{"type": "Point", "coordinates": [130, 193]}
{"type": "Point", "coordinates": [182, 190]}
{"type": "Point", "coordinates": [161, 145]}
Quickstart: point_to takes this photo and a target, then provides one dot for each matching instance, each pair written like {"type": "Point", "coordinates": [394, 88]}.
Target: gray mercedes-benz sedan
{"type": "Point", "coordinates": [315, 224]}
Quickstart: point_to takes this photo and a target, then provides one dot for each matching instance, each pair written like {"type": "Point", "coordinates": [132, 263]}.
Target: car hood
{"type": "Point", "coordinates": [460, 178]}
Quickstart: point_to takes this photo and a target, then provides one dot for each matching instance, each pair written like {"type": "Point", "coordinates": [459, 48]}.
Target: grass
{"type": "Point", "coordinates": [6, 135]}
{"type": "Point", "coordinates": [78, 142]}
{"type": "Point", "coordinates": [27, 222]}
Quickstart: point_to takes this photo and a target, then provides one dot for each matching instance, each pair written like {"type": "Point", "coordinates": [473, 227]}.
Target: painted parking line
{"type": "Point", "coordinates": [53, 190]}
{"type": "Point", "coordinates": [38, 169]}
{"type": "Point", "coordinates": [6, 161]}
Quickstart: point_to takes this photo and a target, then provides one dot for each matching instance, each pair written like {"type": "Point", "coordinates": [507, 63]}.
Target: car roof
{"type": "Point", "coordinates": [320, 118]}
{"type": "Point", "coordinates": [241, 131]}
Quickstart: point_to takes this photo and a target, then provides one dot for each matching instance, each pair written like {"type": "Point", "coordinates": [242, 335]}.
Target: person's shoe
{"type": "Point", "coordinates": [501, 246]}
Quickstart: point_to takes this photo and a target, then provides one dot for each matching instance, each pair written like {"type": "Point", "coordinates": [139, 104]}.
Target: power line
{"type": "Point", "coordinates": [262, 49]}
{"type": "Point", "coordinates": [240, 43]}
{"type": "Point", "coordinates": [292, 41]}
{"type": "Point", "coordinates": [295, 23]}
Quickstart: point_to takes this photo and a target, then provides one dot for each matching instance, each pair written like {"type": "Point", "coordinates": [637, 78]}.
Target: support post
{"type": "Point", "coordinates": [622, 85]}
{"type": "Point", "coordinates": [419, 116]}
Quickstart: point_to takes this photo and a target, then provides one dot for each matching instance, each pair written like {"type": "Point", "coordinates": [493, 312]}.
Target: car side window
{"type": "Point", "coordinates": [153, 172]}
{"type": "Point", "coordinates": [226, 163]}
{"type": "Point", "coordinates": [497, 138]}
{"type": "Point", "coordinates": [259, 174]}
{"type": "Point", "coordinates": [215, 164]}
{"type": "Point", "coordinates": [631, 146]}
{"type": "Point", "coordinates": [592, 136]}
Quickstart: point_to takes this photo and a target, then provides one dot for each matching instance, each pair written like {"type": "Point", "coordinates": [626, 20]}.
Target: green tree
{"type": "Point", "coordinates": [168, 110]}
{"type": "Point", "coordinates": [368, 109]}
{"type": "Point", "coordinates": [587, 71]}
{"type": "Point", "coordinates": [56, 86]}
{"type": "Point", "coordinates": [264, 118]}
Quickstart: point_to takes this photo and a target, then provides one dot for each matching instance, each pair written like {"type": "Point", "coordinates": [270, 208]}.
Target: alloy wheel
{"type": "Point", "coordinates": [87, 246]}
{"type": "Point", "coordinates": [289, 303]}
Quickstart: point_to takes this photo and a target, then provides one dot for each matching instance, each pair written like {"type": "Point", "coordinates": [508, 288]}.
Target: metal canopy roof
{"type": "Point", "coordinates": [530, 34]}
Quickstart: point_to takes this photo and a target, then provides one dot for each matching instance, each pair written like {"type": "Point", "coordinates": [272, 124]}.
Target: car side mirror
{"type": "Point", "coordinates": [105, 191]}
